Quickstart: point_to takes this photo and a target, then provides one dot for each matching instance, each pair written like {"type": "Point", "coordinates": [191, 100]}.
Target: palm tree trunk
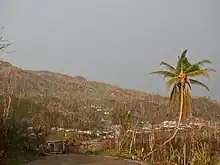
{"type": "Point", "coordinates": [178, 124]}
{"type": "Point", "coordinates": [181, 105]}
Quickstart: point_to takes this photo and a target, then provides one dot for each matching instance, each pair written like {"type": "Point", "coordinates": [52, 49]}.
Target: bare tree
{"type": "Point", "coordinates": [8, 87]}
{"type": "Point", "coordinates": [4, 43]}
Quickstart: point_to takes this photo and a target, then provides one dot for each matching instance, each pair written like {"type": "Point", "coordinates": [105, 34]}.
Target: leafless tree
{"type": "Point", "coordinates": [4, 44]}
{"type": "Point", "coordinates": [7, 81]}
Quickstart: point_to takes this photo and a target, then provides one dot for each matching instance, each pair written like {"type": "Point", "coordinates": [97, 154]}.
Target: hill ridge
{"type": "Point", "coordinates": [64, 93]}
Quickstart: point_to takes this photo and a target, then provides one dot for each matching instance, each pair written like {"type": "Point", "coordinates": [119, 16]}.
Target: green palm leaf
{"type": "Point", "coordinates": [168, 66]}
{"type": "Point", "coordinates": [171, 82]}
{"type": "Point", "coordinates": [201, 72]}
{"type": "Point", "coordinates": [182, 62]}
{"type": "Point", "coordinates": [196, 82]}
{"type": "Point", "coordinates": [164, 73]}
{"type": "Point", "coordinates": [197, 65]}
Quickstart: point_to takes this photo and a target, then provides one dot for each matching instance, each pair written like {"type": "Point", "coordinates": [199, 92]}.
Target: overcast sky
{"type": "Point", "coordinates": [115, 41]}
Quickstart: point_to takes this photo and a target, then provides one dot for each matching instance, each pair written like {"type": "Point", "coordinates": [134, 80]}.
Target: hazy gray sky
{"type": "Point", "coordinates": [115, 41]}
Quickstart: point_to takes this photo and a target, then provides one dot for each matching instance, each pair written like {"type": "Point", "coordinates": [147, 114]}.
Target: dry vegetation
{"type": "Point", "coordinates": [64, 94]}
{"type": "Point", "coordinates": [41, 98]}
{"type": "Point", "coordinates": [193, 147]}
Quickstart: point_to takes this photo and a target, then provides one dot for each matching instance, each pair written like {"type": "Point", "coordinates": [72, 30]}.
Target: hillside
{"type": "Point", "coordinates": [65, 94]}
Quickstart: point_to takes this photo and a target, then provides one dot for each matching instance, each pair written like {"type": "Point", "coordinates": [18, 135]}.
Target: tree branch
{"type": "Point", "coordinates": [4, 45]}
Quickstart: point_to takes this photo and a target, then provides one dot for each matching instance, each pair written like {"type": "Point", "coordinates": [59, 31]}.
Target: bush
{"type": "Point", "coordinates": [16, 142]}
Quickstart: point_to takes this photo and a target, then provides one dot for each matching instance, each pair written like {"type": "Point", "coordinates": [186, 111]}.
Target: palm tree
{"type": "Point", "coordinates": [181, 77]}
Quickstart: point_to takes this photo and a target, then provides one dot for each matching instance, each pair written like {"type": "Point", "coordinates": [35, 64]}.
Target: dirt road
{"type": "Point", "coordinates": [72, 159]}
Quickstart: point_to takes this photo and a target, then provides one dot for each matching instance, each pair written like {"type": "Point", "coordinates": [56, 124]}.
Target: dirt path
{"type": "Point", "coordinates": [72, 159]}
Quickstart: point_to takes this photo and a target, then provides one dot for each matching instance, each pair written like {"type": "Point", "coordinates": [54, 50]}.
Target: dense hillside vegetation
{"type": "Point", "coordinates": [67, 95]}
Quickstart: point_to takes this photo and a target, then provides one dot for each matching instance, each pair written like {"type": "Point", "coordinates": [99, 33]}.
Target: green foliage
{"type": "Point", "coordinates": [121, 116]}
{"type": "Point", "coordinates": [19, 139]}
{"type": "Point", "coordinates": [182, 76]}
{"type": "Point", "coordinates": [15, 142]}
{"type": "Point", "coordinates": [15, 139]}
{"type": "Point", "coordinates": [25, 109]}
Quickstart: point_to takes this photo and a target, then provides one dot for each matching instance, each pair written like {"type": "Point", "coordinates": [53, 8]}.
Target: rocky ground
{"type": "Point", "coordinates": [72, 159]}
